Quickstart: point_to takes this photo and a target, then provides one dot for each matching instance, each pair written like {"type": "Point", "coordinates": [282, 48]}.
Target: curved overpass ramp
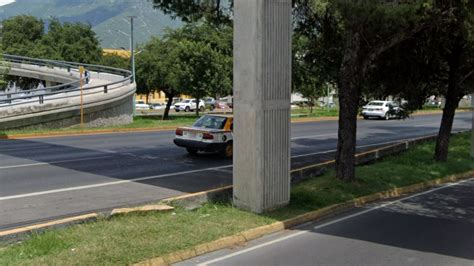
{"type": "Point", "coordinates": [107, 98]}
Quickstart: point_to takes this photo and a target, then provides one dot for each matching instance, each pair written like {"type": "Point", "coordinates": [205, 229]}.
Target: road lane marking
{"type": "Point", "coordinates": [40, 193]}
{"type": "Point", "coordinates": [329, 223]}
{"type": "Point", "coordinates": [53, 162]}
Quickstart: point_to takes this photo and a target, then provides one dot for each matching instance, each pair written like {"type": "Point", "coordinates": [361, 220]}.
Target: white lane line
{"type": "Point", "coordinates": [328, 223]}
{"type": "Point", "coordinates": [40, 193]}
{"type": "Point", "coordinates": [54, 162]}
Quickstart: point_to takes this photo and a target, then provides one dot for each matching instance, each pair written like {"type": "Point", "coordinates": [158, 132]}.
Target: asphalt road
{"type": "Point", "coordinates": [435, 227]}
{"type": "Point", "coordinates": [48, 178]}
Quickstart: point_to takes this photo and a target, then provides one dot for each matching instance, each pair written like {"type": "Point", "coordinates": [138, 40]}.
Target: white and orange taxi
{"type": "Point", "coordinates": [210, 133]}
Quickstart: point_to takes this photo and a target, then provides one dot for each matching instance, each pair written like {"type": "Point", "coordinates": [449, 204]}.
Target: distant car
{"type": "Point", "coordinates": [189, 105]}
{"type": "Point", "coordinates": [156, 106]}
{"type": "Point", "coordinates": [210, 133]}
{"type": "Point", "coordinates": [381, 109]}
{"type": "Point", "coordinates": [222, 105]}
{"type": "Point", "coordinates": [141, 105]}
{"type": "Point", "coordinates": [210, 103]}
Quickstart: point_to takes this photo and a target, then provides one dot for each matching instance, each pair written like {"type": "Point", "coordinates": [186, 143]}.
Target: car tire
{"type": "Point", "coordinates": [177, 110]}
{"type": "Point", "coordinates": [386, 116]}
{"type": "Point", "coordinates": [228, 151]}
{"type": "Point", "coordinates": [187, 109]}
{"type": "Point", "coordinates": [366, 117]}
{"type": "Point", "coordinates": [192, 151]}
{"type": "Point", "coordinates": [201, 109]}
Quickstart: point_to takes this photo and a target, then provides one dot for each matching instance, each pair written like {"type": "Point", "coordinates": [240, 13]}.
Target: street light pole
{"type": "Point", "coordinates": [132, 53]}
{"type": "Point", "coordinates": [132, 57]}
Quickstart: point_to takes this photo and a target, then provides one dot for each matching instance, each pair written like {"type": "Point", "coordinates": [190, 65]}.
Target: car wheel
{"type": "Point", "coordinates": [192, 151]}
{"type": "Point", "coordinates": [187, 109]}
{"type": "Point", "coordinates": [228, 151]}
{"type": "Point", "coordinates": [387, 116]}
{"type": "Point", "coordinates": [366, 117]}
{"type": "Point", "coordinates": [201, 109]}
{"type": "Point", "coordinates": [177, 110]}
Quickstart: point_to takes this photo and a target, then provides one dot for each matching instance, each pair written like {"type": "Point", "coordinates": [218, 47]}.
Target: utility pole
{"type": "Point", "coordinates": [132, 57]}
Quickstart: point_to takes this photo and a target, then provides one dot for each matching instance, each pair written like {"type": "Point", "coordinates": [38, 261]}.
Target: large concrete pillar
{"type": "Point", "coordinates": [262, 90]}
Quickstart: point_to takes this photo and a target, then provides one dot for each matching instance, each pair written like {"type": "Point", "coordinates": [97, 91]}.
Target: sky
{"type": "Point", "coordinates": [6, 2]}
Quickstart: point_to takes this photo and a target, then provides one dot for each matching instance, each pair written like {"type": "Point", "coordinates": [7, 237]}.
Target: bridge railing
{"type": "Point", "coordinates": [61, 91]}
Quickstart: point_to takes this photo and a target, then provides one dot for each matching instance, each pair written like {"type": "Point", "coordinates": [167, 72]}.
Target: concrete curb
{"type": "Point", "coordinates": [21, 232]}
{"type": "Point", "coordinates": [168, 128]}
{"type": "Point", "coordinates": [18, 233]}
{"type": "Point", "coordinates": [243, 237]}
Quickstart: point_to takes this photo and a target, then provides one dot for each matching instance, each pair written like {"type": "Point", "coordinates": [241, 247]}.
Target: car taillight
{"type": "Point", "coordinates": [207, 136]}
{"type": "Point", "coordinates": [179, 132]}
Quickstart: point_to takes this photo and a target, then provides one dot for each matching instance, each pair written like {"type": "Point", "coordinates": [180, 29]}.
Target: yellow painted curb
{"type": "Point", "coordinates": [36, 227]}
{"type": "Point", "coordinates": [146, 208]}
{"type": "Point", "coordinates": [243, 237]}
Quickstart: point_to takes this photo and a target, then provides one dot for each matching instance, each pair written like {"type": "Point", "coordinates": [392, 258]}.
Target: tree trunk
{"type": "Point", "coordinates": [442, 143]}
{"type": "Point", "coordinates": [168, 106]}
{"type": "Point", "coordinates": [452, 101]}
{"type": "Point", "coordinates": [349, 83]}
{"type": "Point", "coordinates": [197, 107]}
{"type": "Point", "coordinates": [347, 132]}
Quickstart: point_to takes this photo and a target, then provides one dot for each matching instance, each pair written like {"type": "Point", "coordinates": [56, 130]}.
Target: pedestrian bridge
{"type": "Point", "coordinates": [107, 98]}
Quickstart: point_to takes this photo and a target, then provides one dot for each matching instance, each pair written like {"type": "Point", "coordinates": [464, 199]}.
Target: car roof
{"type": "Point", "coordinates": [221, 115]}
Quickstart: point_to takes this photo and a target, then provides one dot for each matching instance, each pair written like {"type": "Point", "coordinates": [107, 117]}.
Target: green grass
{"type": "Point", "coordinates": [139, 122]}
{"type": "Point", "coordinates": [317, 112]}
{"type": "Point", "coordinates": [133, 238]}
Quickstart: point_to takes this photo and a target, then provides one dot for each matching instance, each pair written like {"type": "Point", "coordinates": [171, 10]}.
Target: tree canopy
{"type": "Point", "coordinates": [25, 35]}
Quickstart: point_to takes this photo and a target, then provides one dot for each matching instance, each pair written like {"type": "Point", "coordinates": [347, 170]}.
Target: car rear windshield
{"type": "Point", "coordinates": [376, 103]}
{"type": "Point", "coordinates": [213, 122]}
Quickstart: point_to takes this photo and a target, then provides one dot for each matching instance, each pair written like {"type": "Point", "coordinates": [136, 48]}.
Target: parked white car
{"type": "Point", "coordinates": [381, 109]}
{"type": "Point", "coordinates": [189, 105]}
{"type": "Point", "coordinates": [156, 106]}
{"type": "Point", "coordinates": [141, 105]}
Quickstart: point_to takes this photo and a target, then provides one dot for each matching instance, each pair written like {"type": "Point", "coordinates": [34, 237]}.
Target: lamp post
{"type": "Point", "coordinates": [132, 57]}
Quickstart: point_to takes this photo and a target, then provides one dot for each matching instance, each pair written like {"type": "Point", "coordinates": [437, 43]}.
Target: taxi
{"type": "Point", "coordinates": [210, 133]}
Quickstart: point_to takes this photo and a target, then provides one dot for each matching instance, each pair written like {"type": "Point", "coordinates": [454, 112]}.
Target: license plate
{"type": "Point", "coordinates": [192, 135]}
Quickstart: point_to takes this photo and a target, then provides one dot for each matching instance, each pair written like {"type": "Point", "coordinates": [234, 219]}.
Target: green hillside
{"type": "Point", "coordinates": [108, 17]}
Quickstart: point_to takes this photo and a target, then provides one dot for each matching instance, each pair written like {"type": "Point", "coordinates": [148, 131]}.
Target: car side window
{"type": "Point", "coordinates": [232, 126]}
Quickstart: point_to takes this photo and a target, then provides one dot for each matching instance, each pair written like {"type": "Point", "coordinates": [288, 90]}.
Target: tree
{"type": "Point", "coordinates": [21, 34]}
{"type": "Point", "coordinates": [24, 35]}
{"type": "Point", "coordinates": [306, 76]}
{"type": "Point", "coordinates": [203, 70]}
{"type": "Point", "coordinates": [360, 32]}
{"type": "Point", "coordinates": [457, 49]}
{"type": "Point", "coordinates": [156, 69]}
{"type": "Point", "coordinates": [114, 60]}
{"type": "Point", "coordinates": [75, 42]}
{"type": "Point", "coordinates": [217, 12]}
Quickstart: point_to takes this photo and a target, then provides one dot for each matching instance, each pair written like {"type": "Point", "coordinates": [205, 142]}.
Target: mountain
{"type": "Point", "coordinates": [109, 18]}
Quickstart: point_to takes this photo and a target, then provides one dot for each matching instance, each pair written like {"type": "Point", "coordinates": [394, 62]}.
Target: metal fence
{"type": "Point", "coordinates": [62, 91]}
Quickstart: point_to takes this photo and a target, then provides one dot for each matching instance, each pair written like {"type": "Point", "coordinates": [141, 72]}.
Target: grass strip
{"type": "Point", "coordinates": [137, 237]}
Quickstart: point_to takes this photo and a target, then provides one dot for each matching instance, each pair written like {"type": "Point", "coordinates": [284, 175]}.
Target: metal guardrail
{"type": "Point", "coordinates": [41, 95]}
